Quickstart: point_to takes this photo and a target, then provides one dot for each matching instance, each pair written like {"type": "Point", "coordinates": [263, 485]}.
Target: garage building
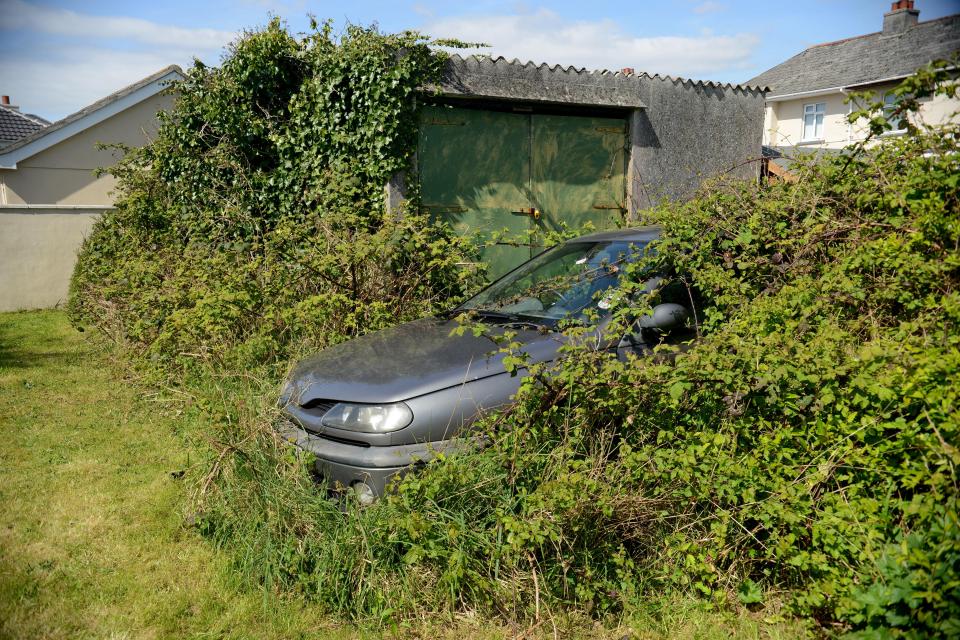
{"type": "Point", "coordinates": [506, 146]}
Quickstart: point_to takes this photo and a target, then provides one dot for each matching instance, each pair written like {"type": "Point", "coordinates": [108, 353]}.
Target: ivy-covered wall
{"type": "Point", "coordinates": [256, 221]}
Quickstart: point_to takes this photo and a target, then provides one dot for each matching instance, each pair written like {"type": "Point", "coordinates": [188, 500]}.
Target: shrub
{"type": "Point", "coordinates": [256, 222]}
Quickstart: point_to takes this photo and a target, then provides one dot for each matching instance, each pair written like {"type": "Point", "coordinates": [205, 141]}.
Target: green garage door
{"type": "Point", "coordinates": [499, 175]}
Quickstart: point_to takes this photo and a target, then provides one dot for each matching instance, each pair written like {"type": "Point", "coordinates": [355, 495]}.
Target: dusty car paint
{"type": "Point", "coordinates": [412, 362]}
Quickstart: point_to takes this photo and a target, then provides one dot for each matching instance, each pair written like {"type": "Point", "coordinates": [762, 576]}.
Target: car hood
{"type": "Point", "coordinates": [407, 361]}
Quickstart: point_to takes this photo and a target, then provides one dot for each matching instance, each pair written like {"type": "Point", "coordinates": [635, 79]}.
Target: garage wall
{"type": "Point", "coordinates": [682, 132]}
{"type": "Point", "coordinates": [689, 132]}
{"type": "Point", "coordinates": [38, 248]}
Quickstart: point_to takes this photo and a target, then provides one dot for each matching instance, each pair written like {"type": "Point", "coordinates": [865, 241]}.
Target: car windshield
{"type": "Point", "coordinates": [567, 282]}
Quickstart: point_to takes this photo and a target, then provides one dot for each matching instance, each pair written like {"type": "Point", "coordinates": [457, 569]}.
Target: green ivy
{"type": "Point", "coordinates": [255, 224]}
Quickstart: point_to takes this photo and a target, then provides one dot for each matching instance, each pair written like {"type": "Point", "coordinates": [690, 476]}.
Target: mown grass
{"type": "Point", "coordinates": [93, 540]}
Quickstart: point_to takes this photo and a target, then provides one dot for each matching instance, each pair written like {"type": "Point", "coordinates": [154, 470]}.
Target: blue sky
{"type": "Point", "coordinates": [57, 56]}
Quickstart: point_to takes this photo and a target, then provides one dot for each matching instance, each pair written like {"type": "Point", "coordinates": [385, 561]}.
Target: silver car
{"type": "Point", "coordinates": [372, 407]}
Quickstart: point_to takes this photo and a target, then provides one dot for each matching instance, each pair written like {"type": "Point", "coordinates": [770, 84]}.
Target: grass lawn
{"type": "Point", "coordinates": [92, 541]}
{"type": "Point", "coordinates": [92, 535]}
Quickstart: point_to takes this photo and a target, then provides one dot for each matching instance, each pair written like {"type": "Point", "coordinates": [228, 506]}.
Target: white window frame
{"type": "Point", "coordinates": [817, 111]}
{"type": "Point", "coordinates": [889, 100]}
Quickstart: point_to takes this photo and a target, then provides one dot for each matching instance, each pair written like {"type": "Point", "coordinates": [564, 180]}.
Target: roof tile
{"type": "Point", "coordinates": [864, 59]}
{"type": "Point", "coordinates": [15, 125]}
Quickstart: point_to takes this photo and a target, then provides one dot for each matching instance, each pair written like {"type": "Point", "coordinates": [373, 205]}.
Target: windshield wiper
{"type": "Point", "coordinates": [495, 315]}
{"type": "Point", "coordinates": [507, 319]}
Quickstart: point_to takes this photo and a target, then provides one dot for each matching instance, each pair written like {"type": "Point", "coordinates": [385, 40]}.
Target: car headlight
{"type": "Point", "coordinates": [368, 418]}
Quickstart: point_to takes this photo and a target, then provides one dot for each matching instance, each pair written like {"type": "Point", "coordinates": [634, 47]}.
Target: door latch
{"type": "Point", "coordinates": [533, 212]}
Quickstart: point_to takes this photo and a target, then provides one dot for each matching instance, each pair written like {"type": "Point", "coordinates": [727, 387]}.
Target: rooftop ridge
{"type": "Point", "coordinates": [29, 117]}
{"type": "Point", "coordinates": [879, 33]}
{"type": "Point", "coordinates": [863, 58]}
{"type": "Point", "coordinates": [580, 71]}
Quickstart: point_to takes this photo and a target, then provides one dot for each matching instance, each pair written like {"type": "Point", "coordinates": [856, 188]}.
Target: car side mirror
{"type": "Point", "coordinates": [665, 317]}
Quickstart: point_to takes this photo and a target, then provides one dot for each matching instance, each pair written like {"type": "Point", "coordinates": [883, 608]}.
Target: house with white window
{"type": "Point", "coordinates": [806, 104]}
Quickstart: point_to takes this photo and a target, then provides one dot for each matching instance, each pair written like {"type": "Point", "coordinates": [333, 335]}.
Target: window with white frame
{"type": "Point", "coordinates": [813, 120]}
{"type": "Point", "coordinates": [889, 107]}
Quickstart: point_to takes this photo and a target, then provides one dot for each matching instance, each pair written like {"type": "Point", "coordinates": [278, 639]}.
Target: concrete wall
{"type": "Point", "coordinates": [38, 248]}
{"type": "Point", "coordinates": [784, 119]}
{"type": "Point", "coordinates": [48, 204]}
{"type": "Point", "coordinates": [65, 173]}
{"type": "Point", "coordinates": [689, 132]}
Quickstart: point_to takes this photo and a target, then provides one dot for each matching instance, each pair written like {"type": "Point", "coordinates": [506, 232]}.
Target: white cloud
{"type": "Point", "coordinates": [79, 77]}
{"type": "Point", "coordinates": [74, 59]}
{"type": "Point", "coordinates": [709, 7]}
{"type": "Point", "coordinates": [422, 10]}
{"type": "Point", "coordinates": [19, 15]}
{"type": "Point", "coordinates": [543, 36]}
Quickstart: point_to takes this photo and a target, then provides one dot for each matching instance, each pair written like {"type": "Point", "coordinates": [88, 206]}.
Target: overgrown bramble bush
{"type": "Point", "coordinates": [803, 450]}
{"type": "Point", "coordinates": [256, 220]}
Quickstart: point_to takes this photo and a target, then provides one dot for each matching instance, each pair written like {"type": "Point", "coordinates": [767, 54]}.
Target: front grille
{"type": "Point", "coordinates": [354, 443]}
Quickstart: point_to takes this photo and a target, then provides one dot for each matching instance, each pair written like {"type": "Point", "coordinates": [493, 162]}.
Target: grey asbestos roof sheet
{"type": "Point", "coordinates": [15, 125]}
{"type": "Point", "coordinates": [499, 78]}
{"type": "Point", "coordinates": [864, 59]}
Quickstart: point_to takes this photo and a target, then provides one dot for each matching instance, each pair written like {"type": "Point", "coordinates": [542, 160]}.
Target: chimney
{"type": "Point", "coordinates": [627, 71]}
{"type": "Point", "coordinates": [5, 101]}
{"type": "Point", "coordinates": [902, 16]}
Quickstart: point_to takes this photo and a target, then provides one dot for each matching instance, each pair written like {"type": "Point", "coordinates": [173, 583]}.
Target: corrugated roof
{"type": "Point", "coordinates": [748, 86]}
{"type": "Point", "coordinates": [479, 75]}
{"type": "Point", "coordinates": [864, 59]}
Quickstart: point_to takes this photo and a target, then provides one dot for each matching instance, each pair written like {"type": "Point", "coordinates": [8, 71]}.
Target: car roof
{"type": "Point", "coordinates": [636, 234]}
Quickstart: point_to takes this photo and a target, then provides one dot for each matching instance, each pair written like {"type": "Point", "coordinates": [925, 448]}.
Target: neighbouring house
{"type": "Point", "coordinates": [15, 124]}
{"type": "Point", "coordinates": [50, 193]}
{"type": "Point", "coordinates": [511, 146]}
{"type": "Point", "coordinates": [806, 106]}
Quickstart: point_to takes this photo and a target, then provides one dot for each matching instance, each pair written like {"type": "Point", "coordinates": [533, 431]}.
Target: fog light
{"type": "Point", "coordinates": [364, 492]}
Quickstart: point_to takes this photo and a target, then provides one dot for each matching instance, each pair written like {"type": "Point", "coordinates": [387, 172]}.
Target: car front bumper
{"type": "Point", "coordinates": [342, 465]}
